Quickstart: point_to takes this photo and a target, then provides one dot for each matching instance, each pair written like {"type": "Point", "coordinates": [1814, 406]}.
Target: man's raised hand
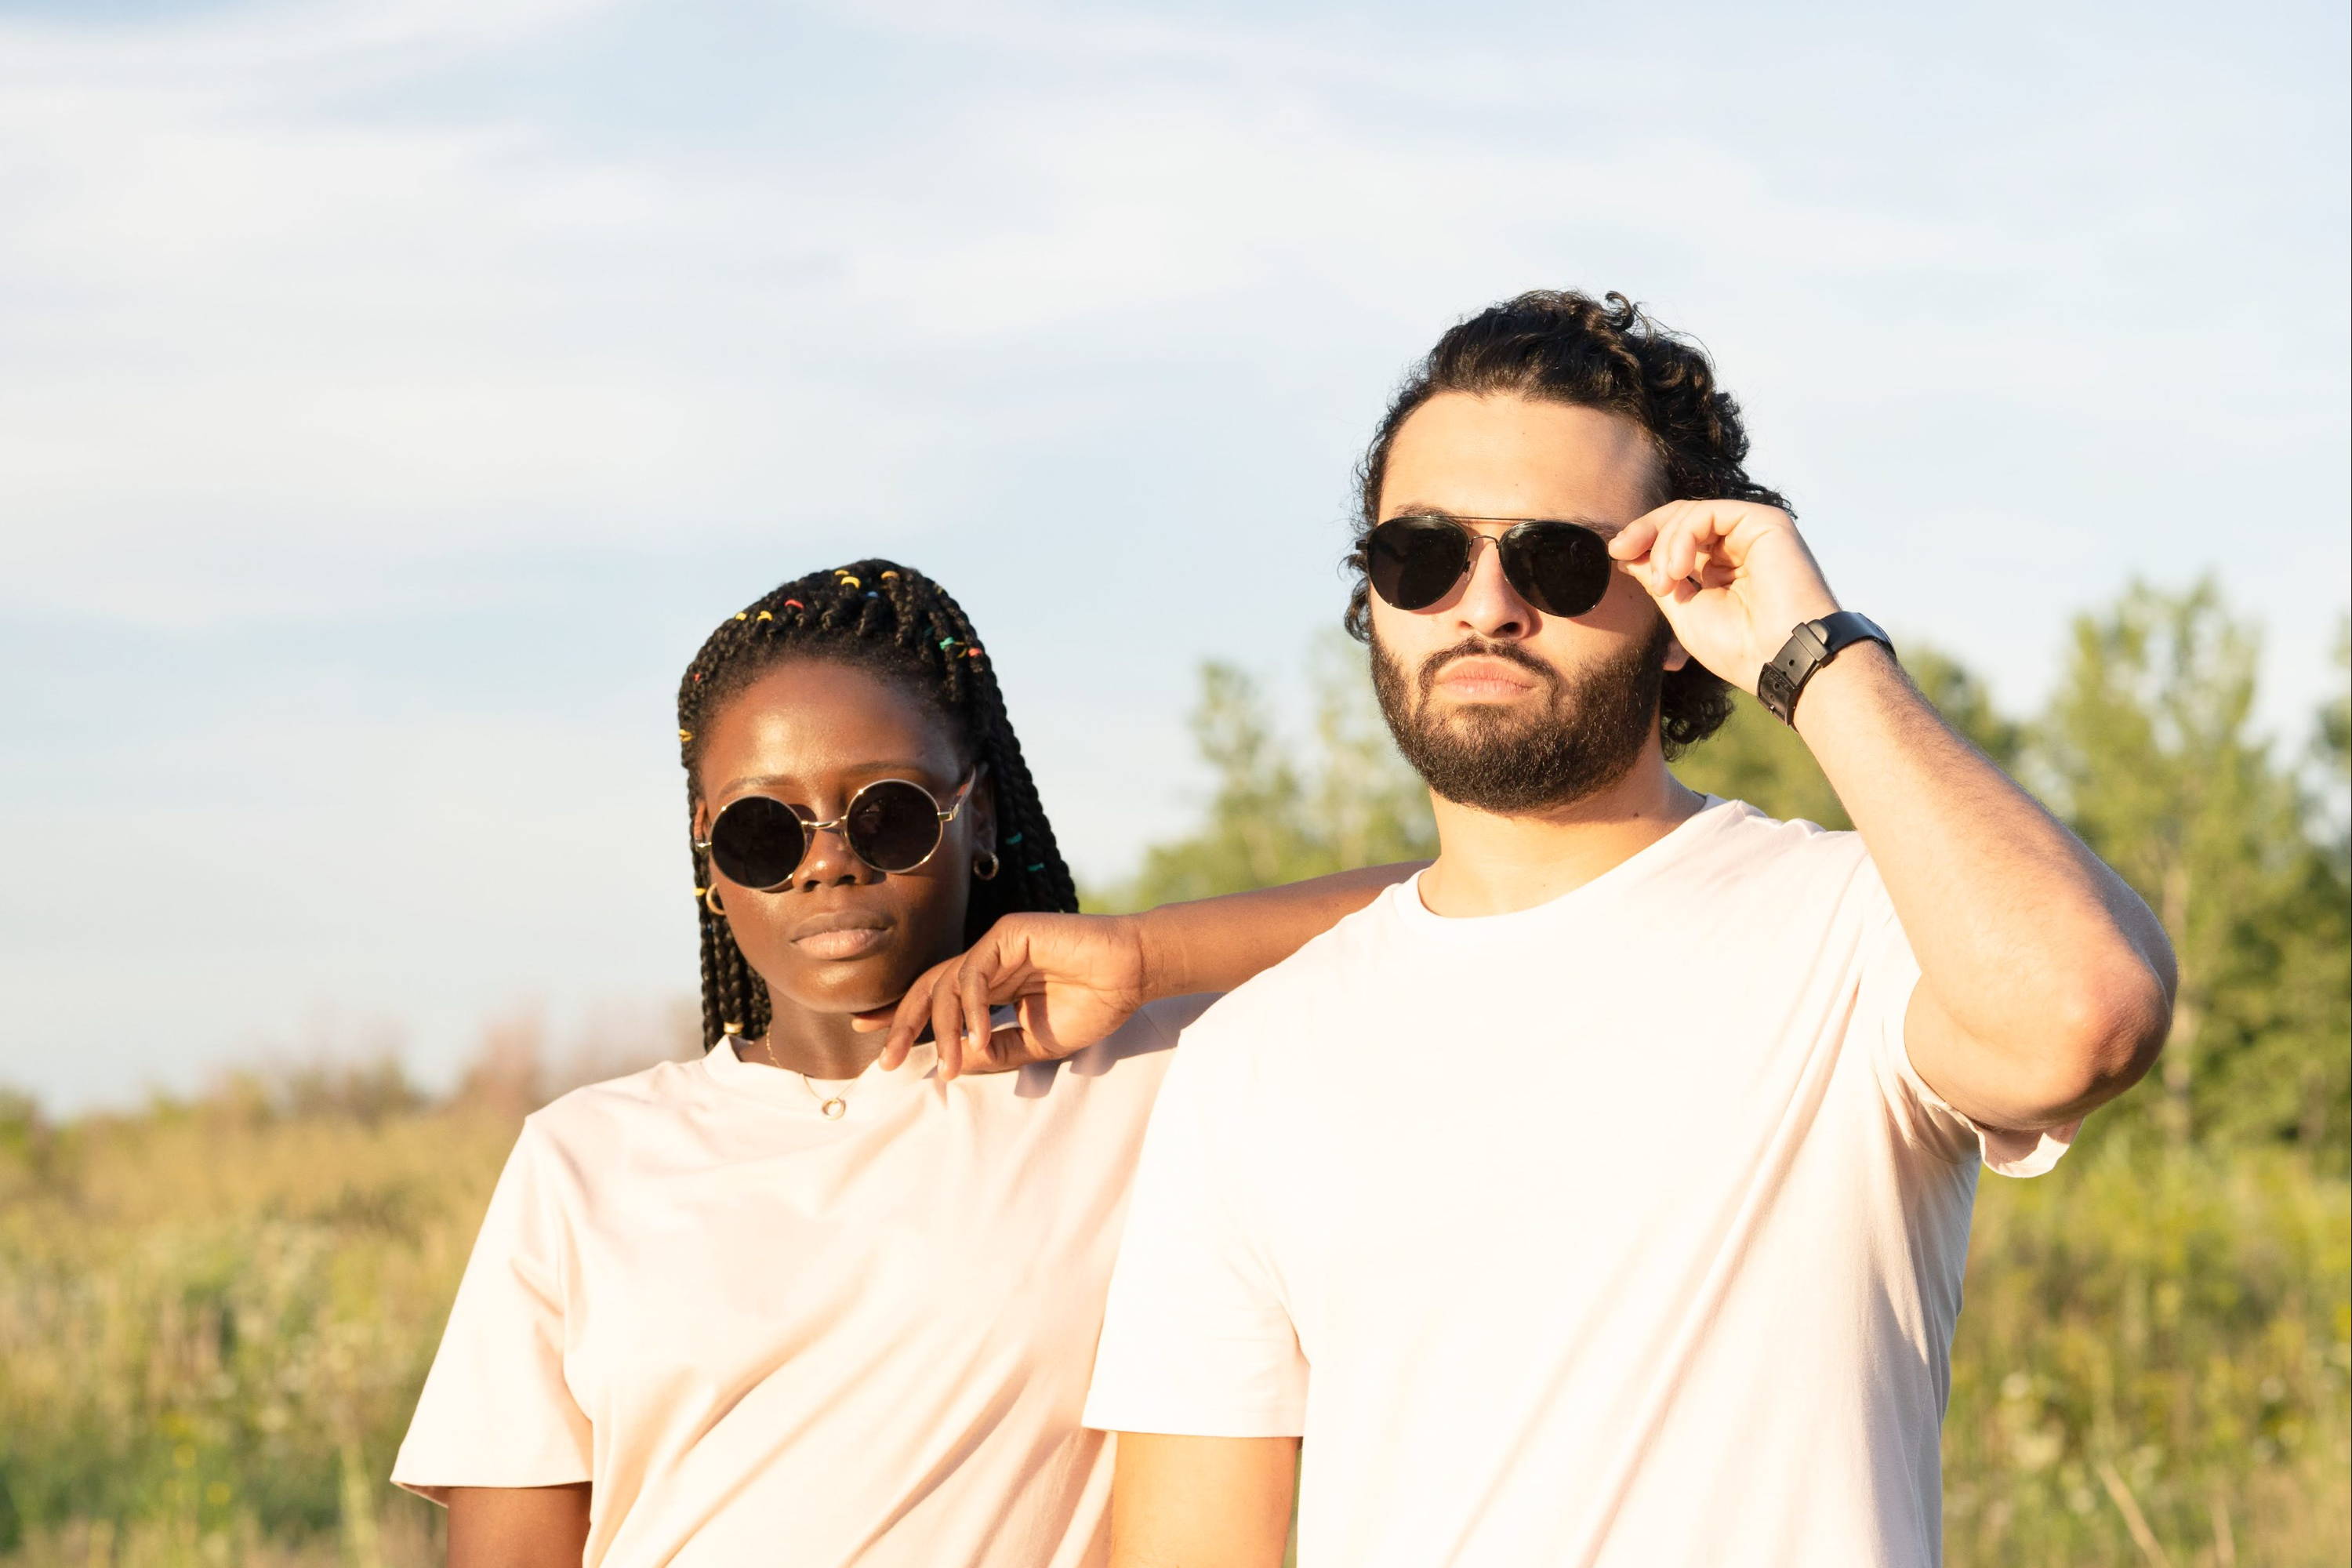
{"type": "Point", "coordinates": [1733, 579]}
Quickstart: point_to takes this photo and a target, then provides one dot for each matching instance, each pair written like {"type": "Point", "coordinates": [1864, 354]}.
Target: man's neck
{"type": "Point", "coordinates": [1493, 865]}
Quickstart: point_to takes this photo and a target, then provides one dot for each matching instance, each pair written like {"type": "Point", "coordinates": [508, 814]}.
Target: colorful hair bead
{"type": "Point", "coordinates": [794, 605]}
{"type": "Point", "coordinates": [684, 736]}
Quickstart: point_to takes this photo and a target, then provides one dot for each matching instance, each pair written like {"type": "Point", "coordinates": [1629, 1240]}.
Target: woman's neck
{"type": "Point", "coordinates": [820, 1044]}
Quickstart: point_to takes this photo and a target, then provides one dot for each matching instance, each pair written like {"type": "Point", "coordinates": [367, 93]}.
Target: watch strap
{"type": "Point", "coordinates": [1810, 646]}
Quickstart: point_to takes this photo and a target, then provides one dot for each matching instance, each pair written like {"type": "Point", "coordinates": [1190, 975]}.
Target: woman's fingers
{"type": "Point", "coordinates": [947, 1023]}
{"type": "Point", "coordinates": [974, 987]}
{"type": "Point", "coordinates": [907, 1018]}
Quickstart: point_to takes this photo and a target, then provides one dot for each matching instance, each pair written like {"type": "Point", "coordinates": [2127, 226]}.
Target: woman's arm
{"type": "Point", "coordinates": [518, 1527]}
{"type": "Point", "coordinates": [1076, 978]}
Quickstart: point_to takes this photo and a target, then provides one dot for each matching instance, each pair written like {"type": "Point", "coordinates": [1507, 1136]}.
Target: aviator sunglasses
{"type": "Point", "coordinates": [1560, 568]}
{"type": "Point", "coordinates": [892, 825]}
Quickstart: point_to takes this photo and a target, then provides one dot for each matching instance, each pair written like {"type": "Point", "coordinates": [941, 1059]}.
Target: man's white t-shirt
{"type": "Point", "coordinates": [1619, 1231]}
{"type": "Point", "coordinates": [766, 1337]}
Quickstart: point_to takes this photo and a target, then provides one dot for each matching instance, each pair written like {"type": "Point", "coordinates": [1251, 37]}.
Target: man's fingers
{"type": "Point", "coordinates": [1632, 541]}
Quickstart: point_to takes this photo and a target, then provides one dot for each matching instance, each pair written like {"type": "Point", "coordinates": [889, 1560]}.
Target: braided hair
{"type": "Point", "coordinates": [895, 623]}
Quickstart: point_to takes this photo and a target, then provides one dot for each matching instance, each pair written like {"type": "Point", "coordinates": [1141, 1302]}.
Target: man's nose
{"type": "Point", "coordinates": [1489, 607]}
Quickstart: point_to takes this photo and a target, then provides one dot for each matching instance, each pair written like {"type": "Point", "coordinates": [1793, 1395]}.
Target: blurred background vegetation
{"type": "Point", "coordinates": [215, 1315]}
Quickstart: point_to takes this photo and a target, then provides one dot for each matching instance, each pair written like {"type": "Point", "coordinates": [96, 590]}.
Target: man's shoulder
{"type": "Point", "coordinates": [1751, 841]}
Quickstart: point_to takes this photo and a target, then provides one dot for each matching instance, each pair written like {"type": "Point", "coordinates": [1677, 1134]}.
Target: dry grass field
{"type": "Point", "coordinates": [214, 1317]}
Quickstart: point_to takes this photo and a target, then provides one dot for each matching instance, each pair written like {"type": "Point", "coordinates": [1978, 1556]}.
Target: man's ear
{"type": "Point", "coordinates": [1677, 657]}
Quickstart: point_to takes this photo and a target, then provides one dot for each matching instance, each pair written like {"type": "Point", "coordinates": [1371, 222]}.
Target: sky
{"type": "Point", "coordinates": [393, 394]}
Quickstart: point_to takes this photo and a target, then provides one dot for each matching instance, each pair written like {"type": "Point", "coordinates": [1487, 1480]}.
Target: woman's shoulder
{"type": "Point", "coordinates": [594, 1113]}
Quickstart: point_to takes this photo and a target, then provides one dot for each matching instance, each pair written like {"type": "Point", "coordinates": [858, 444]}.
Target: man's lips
{"type": "Point", "coordinates": [1477, 678]}
{"type": "Point", "coordinates": [841, 933]}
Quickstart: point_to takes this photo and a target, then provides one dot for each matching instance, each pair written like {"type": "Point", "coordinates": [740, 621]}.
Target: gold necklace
{"type": "Point", "coordinates": [834, 1108]}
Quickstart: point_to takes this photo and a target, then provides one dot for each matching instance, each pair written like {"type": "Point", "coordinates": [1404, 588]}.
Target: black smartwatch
{"type": "Point", "coordinates": [1808, 647]}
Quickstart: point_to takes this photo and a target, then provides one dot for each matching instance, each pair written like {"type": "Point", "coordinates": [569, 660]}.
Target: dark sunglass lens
{"type": "Point", "coordinates": [1413, 562]}
{"type": "Point", "coordinates": [758, 842]}
{"type": "Point", "coordinates": [1560, 568]}
{"type": "Point", "coordinates": [894, 826]}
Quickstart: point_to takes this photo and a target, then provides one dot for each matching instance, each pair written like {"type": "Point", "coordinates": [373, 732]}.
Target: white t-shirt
{"type": "Point", "coordinates": [1619, 1231]}
{"type": "Point", "coordinates": [767, 1337]}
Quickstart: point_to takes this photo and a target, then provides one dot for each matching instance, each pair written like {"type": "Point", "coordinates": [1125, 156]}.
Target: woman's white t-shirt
{"type": "Point", "coordinates": [768, 1337]}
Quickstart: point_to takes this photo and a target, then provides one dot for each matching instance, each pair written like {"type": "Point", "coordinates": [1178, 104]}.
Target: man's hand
{"type": "Point", "coordinates": [1073, 979]}
{"type": "Point", "coordinates": [1733, 579]}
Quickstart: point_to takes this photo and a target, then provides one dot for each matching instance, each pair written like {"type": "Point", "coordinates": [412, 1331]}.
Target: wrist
{"type": "Point", "coordinates": [1157, 956]}
{"type": "Point", "coordinates": [1855, 672]}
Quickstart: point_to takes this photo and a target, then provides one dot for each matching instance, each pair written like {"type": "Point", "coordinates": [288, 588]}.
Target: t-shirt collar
{"type": "Point", "coordinates": [787, 1091]}
{"type": "Point", "coordinates": [1649, 861]}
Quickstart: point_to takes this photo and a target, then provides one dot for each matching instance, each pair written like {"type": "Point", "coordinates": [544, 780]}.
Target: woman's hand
{"type": "Point", "coordinates": [1073, 979]}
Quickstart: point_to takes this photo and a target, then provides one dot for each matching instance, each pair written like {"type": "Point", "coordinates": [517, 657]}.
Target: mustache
{"type": "Point", "coordinates": [1509, 653]}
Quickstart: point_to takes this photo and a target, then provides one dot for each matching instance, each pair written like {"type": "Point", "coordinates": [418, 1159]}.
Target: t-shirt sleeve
{"type": "Point", "coordinates": [1196, 1338]}
{"type": "Point", "coordinates": [1890, 974]}
{"type": "Point", "coordinates": [496, 1410]}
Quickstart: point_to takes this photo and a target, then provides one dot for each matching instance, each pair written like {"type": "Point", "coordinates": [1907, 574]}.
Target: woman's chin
{"type": "Point", "coordinates": [846, 985]}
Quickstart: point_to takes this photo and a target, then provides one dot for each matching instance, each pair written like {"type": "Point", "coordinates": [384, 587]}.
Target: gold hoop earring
{"type": "Point", "coordinates": [710, 901]}
{"type": "Point", "coordinates": [989, 855]}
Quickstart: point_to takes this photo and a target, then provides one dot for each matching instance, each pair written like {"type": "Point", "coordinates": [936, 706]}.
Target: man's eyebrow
{"type": "Point", "coordinates": [1424, 508]}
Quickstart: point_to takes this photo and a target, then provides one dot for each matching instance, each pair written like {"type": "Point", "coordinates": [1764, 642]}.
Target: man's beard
{"type": "Point", "coordinates": [1513, 761]}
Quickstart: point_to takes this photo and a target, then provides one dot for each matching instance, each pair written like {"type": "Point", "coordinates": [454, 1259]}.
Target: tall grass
{"type": "Point", "coordinates": [214, 1319]}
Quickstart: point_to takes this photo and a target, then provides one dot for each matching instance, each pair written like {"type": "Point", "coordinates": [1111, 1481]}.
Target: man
{"type": "Point", "coordinates": [1600, 1196]}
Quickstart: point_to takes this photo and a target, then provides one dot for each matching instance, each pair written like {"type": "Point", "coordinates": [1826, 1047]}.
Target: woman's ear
{"type": "Point", "coordinates": [702, 822]}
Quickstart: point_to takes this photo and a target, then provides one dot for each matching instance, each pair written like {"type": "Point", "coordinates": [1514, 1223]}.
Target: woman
{"type": "Point", "coordinates": [807, 1301]}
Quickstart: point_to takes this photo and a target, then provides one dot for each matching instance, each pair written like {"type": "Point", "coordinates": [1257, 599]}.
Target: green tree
{"type": "Point", "coordinates": [2150, 750]}
{"type": "Point", "coordinates": [1757, 759]}
{"type": "Point", "coordinates": [1273, 817]}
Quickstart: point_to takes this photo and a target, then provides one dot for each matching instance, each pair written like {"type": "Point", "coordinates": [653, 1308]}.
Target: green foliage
{"type": "Point", "coordinates": [214, 1320]}
{"type": "Point", "coordinates": [1757, 759]}
{"type": "Point", "coordinates": [2149, 750]}
{"type": "Point", "coordinates": [2170, 1323]}
{"type": "Point", "coordinates": [213, 1317]}
{"type": "Point", "coordinates": [1273, 819]}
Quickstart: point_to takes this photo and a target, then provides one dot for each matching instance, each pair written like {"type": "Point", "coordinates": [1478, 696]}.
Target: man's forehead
{"type": "Point", "coordinates": [1504, 455]}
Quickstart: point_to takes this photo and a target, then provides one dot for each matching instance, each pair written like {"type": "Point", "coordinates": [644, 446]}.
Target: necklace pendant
{"type": "Point", "coordinates": [834, 1108]}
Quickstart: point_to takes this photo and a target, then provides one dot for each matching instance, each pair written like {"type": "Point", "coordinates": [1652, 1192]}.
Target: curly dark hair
{"type": "Point", "coordinates": [1561, 346]}
{"type": "Point", "coordinates": [898, 625]}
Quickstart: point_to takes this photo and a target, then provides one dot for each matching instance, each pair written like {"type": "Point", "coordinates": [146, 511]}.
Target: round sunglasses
{"type": "Point", "coordinates": [892, 825]}
{"type": "Point", "coordinates": [1560, 568]}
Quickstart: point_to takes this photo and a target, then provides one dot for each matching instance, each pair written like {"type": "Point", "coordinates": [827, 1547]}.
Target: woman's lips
{"type": "Point", "coordinates": [840, 935]}
{"type": "Point", "coordinates": [849, 941]}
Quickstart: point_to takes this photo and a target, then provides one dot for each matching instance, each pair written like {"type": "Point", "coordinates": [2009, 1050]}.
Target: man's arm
{"type": "Point", "coordinates": [1076, 978]}
{"type": "Point", "coordinates": [2045, 983]}
{"type": "Point", "coordinates": [518, 1527]}
{"type": "Point", "coordinates": [1202, 1502]}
